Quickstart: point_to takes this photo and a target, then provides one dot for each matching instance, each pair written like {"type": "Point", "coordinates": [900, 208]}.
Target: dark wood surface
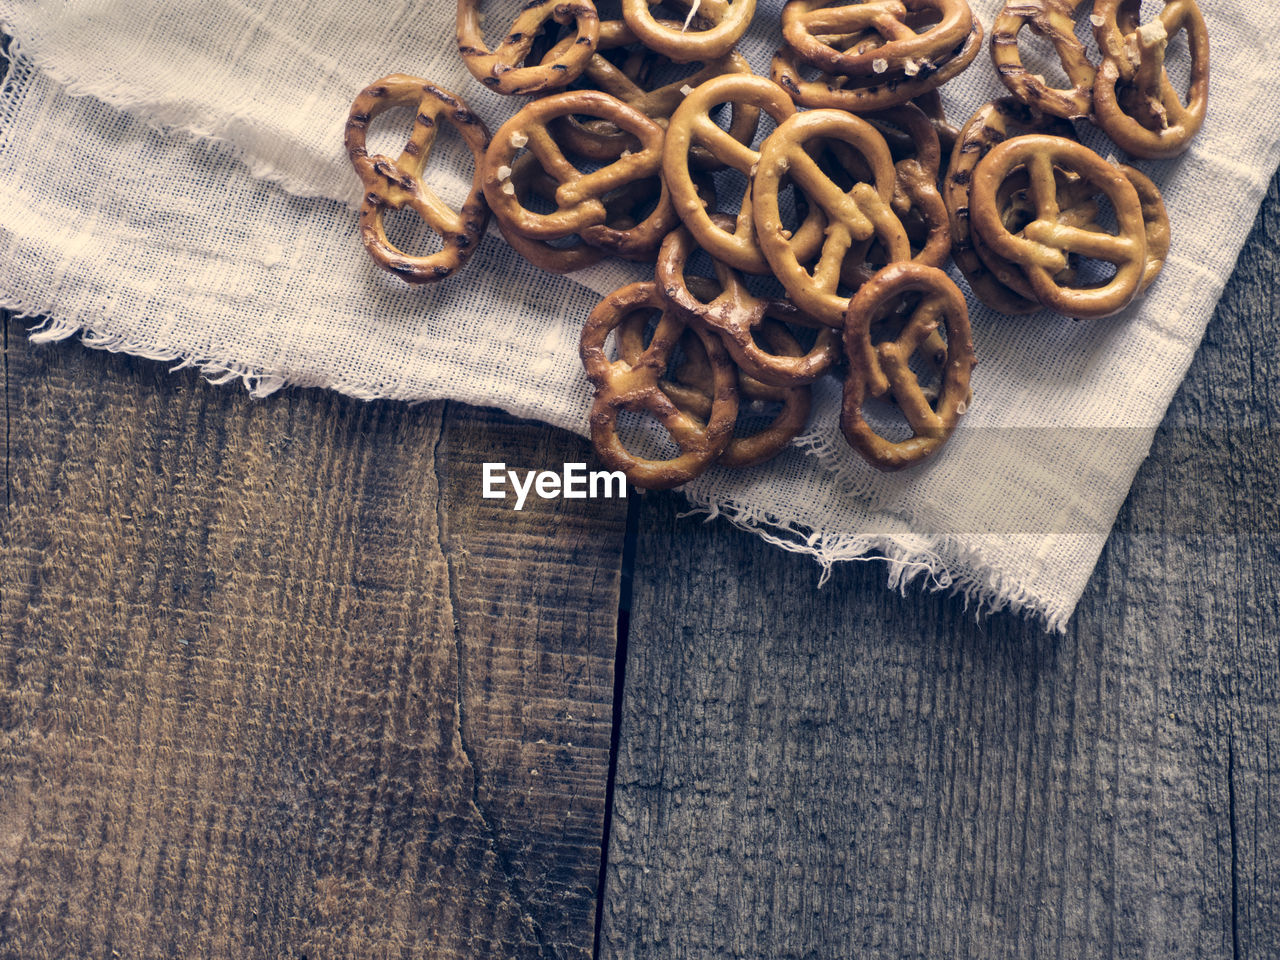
{"type": "Point", "coordinates": [277, 683]}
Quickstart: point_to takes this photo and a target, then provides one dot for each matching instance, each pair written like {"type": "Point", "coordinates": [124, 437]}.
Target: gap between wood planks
{"type": "Point", "coordinates": [625, 583]}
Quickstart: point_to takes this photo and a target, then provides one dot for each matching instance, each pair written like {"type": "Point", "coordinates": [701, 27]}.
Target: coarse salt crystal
{"type": "Point", "coordinates": [880, 65]}
{"type": "Point", "coordinates": [1097, 19]}
{"type": "Point", "coordinates": [626, 153]}
{"type": "Point", "coordinates": [686, 90]}
{"type": "Point", "coordinates": [911, 68]}
{"type": "Point", "coordinates": [519, 139]}
{"type": "Point", "coordinates": [504, 172]}
{"type": "Point", "coordinates": [509, 189]}
{"type": "Point", "coordinates": [961, 408]}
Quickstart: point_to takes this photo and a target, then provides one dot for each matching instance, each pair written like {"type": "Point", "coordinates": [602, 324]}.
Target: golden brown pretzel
{"type": "Point", "coordinates": [398, 183]}
{"type": "Point", "coordinates": [621, 385]}
{"type": "Point", "coordinates": [691, 126]}
{"type": "Point", "coordinates": [736, 314]}
{"type": "Point", "coordinates": [1133, 99]}
{"type": "Point", "coordinates": [877, 92]}
{"type": "Point", "coordinates": [580, 197]}
{"type": "Point", "coordinates": [1055, 20]}
{"type": "Point", "coordinates": [876, 370]}
{"type": "Point", "coordinates": [714, 27]}
{"type": "Point", "coordinates": [500, 69]}
{"type": "Point", "coordinates": [990, 124]}
{"type": "Point", "coordinates": [603, 141]}
{"type": "Point", "coordinates": [1042, 246]}
{"type": "Point", "coordinates": [853, 216]}
{"type": "Point", "coordinates": [690, 389]}
{"type": "Point", "coordinates": [884, 32]}
{"type": "Point", "coordinates": [1155, 219]}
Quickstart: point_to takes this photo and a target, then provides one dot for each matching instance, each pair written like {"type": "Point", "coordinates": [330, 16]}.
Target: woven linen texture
{"type": "Point", "coordinates": [173, 184]}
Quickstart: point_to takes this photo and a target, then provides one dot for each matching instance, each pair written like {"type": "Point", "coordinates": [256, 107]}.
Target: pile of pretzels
{"type": "Point", "coordinates": [831, 260]}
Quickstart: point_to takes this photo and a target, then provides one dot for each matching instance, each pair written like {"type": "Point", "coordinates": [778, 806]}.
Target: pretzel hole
{"type": "Point", "coordinates": [497, 18]}
{"type": "Point", "coordinates": [407, 232]}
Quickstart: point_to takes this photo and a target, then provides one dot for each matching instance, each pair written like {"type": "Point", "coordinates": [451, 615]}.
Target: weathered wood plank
{"type": "Point", "coordinates": [260, 697]}
{"type": "Point", "coordinates": [846, 772]}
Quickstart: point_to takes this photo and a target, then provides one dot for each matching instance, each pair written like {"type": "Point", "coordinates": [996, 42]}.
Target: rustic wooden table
{"type": "Point", "coordinates": [277, 683]}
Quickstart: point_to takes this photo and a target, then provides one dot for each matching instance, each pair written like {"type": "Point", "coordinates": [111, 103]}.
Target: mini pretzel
{"type": "Point", "coordinates": [990, 124]}
{"type": "Point", "coordinates": [398, 183]}
{"type": "Point", "coordinates": [621, 385]}
{"type": "Point", "coordinates": [885, 30]}
{"type": "Point", "coordinates": [1133, 99]}
{"type": "Point", "coordinates": [579, 197]}
{"type": "Point", "coordinates": [603, 141]}
{"type": "Point", "coordinates": [874, 92]}
{"type": "Point", "coordinates": [736, 314]}
{"type": "Point", "coordinates": [852, 216]}
{"type": "Point", "coordinates": [531, 180]}
{"type": "Point", "coordinates": [499, 70]}
{"type": "Point", "coordinates": [728, 21]}
{"type": "Point", "coordinates": [690, 389]}
{"type": "Point", "coordinates": [876, 370]}
{"type": "Point", "coordinates": [1042, 246]}
{"type": "Point", "coordinates": [691, 126]}
{"type": "Point", "coordinates": [1054, 19]}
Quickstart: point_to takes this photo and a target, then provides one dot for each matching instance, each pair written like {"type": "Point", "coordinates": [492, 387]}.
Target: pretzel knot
{"type": "Point", "coordinates": [622, 385]}
{"type": "Point", "coordinates": [853, 215]}
{"type": "Point", "coordinates": [1055, 20]}
{"type": "Point", "coordinates": [580, 197]}
{"type": "Point", "coordinates": [1133, 98]}
{"type": "Point", "coordinates": [736, 315]}
{"type": "Point", "coordinates": [691, 389]}
{"type": "Point", "coordinates": [710, 31]}
{"type": "Point", "coordinates": [500, 69]}
{"type": "Point", "coordinates": [877, 30]}
{"type": "Point", "coordinates": [398, 183]}
{"type": "Point", "coordinates": [992, 280]}
{"type": "Point", "coordinates": [882, 369]}
{"type": "Point", "coordinates": [1041, 246]}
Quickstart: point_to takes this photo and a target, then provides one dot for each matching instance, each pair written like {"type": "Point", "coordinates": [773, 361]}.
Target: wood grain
{"type": "Point", "coordinates": [262, 695]}
{"type": "Point", "coordinates": [848, 773]}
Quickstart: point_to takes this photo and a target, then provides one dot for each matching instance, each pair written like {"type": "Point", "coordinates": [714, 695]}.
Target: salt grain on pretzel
{"type": "Point", "coordinates": [395, 184]}
{"type": "Point", "coordinates": [883, 369]}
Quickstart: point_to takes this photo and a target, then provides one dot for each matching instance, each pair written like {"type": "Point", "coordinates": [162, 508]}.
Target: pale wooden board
{"type": "Point", "coordinates": [849, 773]}
{"type": "Point", "coordinates": [231, 716]}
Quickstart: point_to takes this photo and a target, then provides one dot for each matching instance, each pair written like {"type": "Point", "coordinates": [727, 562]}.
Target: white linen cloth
{"type": "Point", "coordinates": [173, 184]}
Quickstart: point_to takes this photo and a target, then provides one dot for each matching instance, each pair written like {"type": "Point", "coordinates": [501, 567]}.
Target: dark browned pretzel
{"type": "Point", "coordinates": [736, 315]}
{"type": "Point", "coordinates": [691, 388]}
{"type": "Point", "coordinates": [501, 69]}
{"type": "Point", "coordinates": [580, 197]}
{"type": "Point", "coordinates": [710, 30]}
{"type": "Point", "coordinates": [603, 141]}
{"type": "Point", "coordinates": [880, 369]}
{"type": "Point", "coordinates": [1054, 20]}
{"type": "Point", "coordinates": [394, 184]}
{"type": "Point", "coordinates": [622, 385]}
{"type": "Point", "coordinates": [886, 35]}
{"type": "Point", "coordinates": [1042, 246]}
{"type": "Point", "coordinates": [874, 92]}
{"type": "Point", "coordinates": [990, 124]}
{"type": "Point", "coordinates": [1133, 99]}
{"type": "Point", "coordinates": [853, 215]}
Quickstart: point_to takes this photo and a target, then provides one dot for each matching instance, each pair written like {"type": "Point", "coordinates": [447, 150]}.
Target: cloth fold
{"type": "Point", "coordinates": [172, 184]}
